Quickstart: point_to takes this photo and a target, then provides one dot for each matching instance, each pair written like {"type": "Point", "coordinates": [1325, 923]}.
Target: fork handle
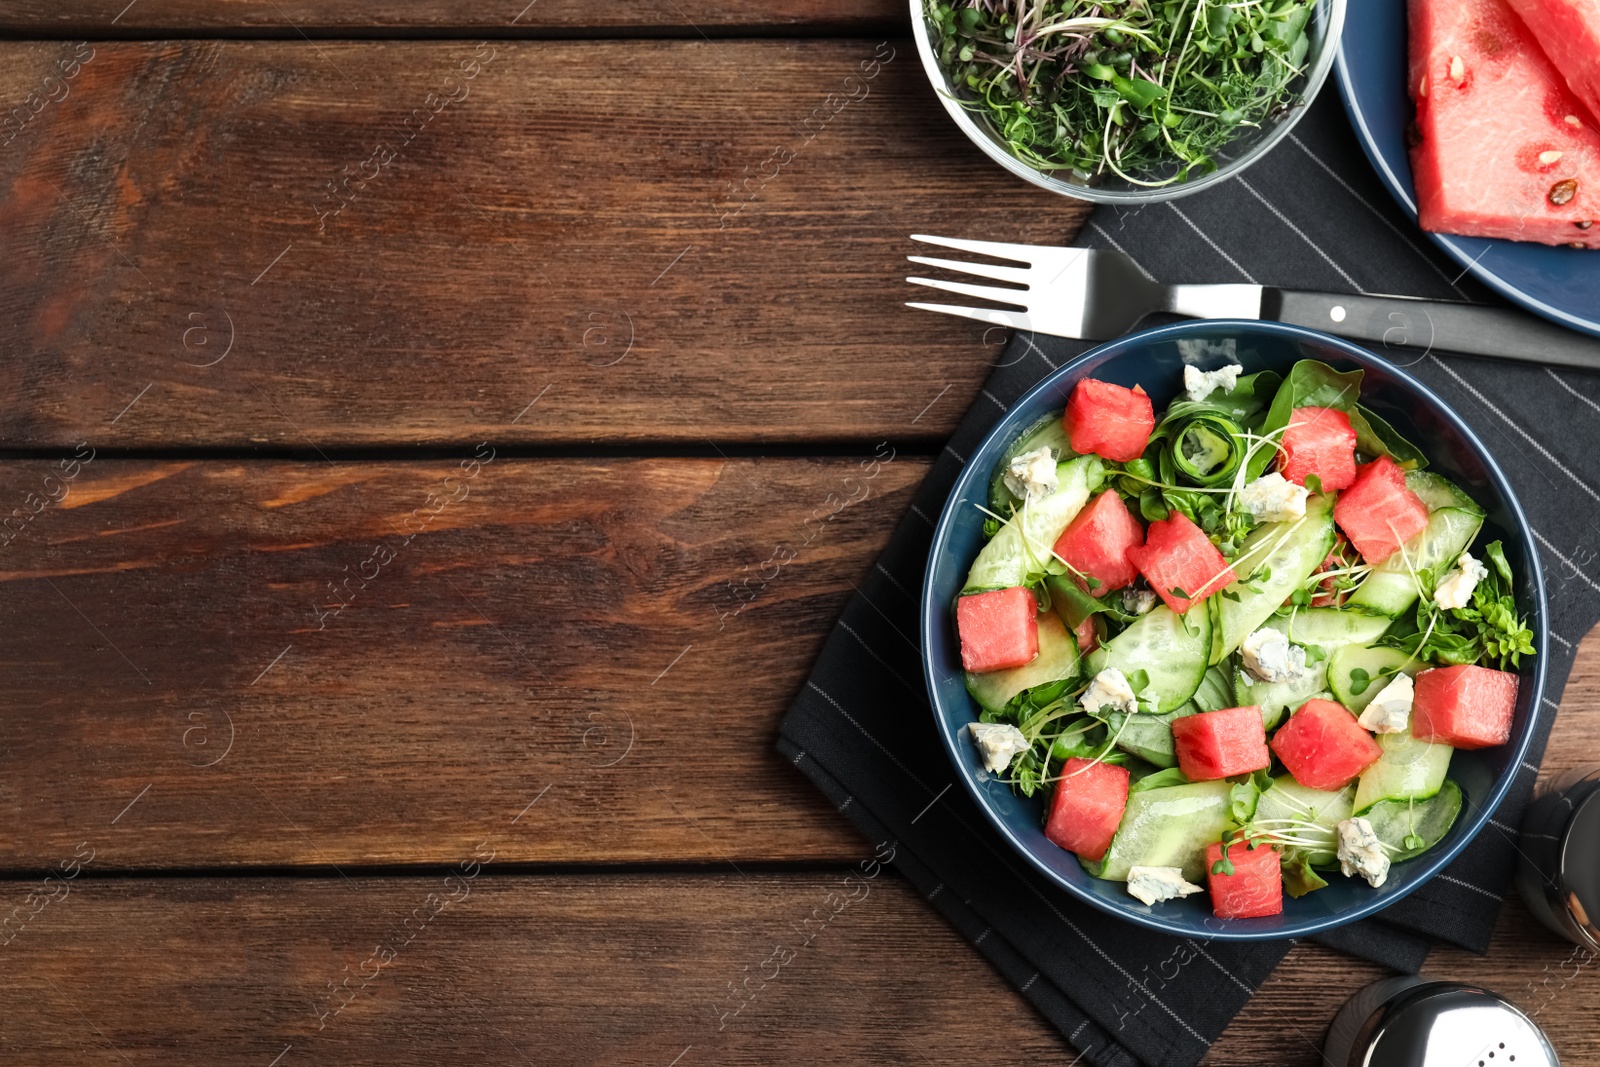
{"type": "Point", "coordinates": [1406, 326]}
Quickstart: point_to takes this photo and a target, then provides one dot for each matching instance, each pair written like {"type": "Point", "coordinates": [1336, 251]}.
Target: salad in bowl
{"type": "Point", "coordinates": [1228, 647]}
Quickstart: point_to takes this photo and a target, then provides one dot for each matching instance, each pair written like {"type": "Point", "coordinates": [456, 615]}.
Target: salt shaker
{"type": "Point", "coordinates": [1559, 873]}
{"type": "Point", "coordinates": [1412, 1021]}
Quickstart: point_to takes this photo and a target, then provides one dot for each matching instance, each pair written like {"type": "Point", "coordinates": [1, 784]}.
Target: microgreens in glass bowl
{"type": "Point", "coordinates": [1126, 100]}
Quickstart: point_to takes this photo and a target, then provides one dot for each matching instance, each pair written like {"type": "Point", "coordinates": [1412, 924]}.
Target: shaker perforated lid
{"type": "Point", "coordinates": [1416, 1023]}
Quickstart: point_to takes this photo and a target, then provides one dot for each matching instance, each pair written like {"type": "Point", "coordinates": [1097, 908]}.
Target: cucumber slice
{"type": "Point", "coordinates": [1395, 820]}
{"type": "Point", "coordinates": [1048, 431]}
{"type": "Point", "coordinates": [1437, 491]}
{"type": "Point", "coordinates": [1010, 559]}
{"type": "Point", "coordinates": [1275, 699]}
{"type": "Point", "coordinates": [1390, 589]}
{"type": "Point", "coordinates": [1168, 827]}
{"type": "Point", "coordinates": [1170, 649]}
{"type": "Point", "coordinates": [1149, 736]}
{"type": "Point", "coordinates": [1408, 770]}
{"type": "Point", "coordinates": [1057, 661]}
{"type": "Point", "coordinates": [1292, 553]}
{"type": "Point", "coordinates": [1379, 666]}
{"type": "Point", "coordinates": [1288, 799]}
{"type": "Point", "coordinates": [1330, 628]}
{"type": "Point", "coordinates": [1327, 628]}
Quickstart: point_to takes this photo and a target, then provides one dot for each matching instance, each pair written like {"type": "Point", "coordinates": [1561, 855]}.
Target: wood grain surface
{"type": "Point", "coordinates": [182, 681]}
{"type": "Point", "coordinates": [440, 18]}
{"type": "Point", "coordinates": [718, 967]}
{"type": "Point", "coordinates": [664, 240]}
{"type": "Point", "coordinates": [366, 675]}
{"type": "Point", "coordinates": [615, 969]}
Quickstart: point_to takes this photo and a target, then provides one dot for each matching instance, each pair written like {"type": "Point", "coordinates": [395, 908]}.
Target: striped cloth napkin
{"type": "Point", "coordinates": [1310, 216]}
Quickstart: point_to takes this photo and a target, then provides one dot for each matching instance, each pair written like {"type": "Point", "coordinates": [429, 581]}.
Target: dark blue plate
{"type": "Point", "coordinates": [1562, 284]}
{"type": "Point", "coordinates": [1154, 359]}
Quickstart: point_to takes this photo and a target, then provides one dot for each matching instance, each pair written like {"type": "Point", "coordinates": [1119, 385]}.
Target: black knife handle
{"type": "Point", "coordinates": [1403, 328]}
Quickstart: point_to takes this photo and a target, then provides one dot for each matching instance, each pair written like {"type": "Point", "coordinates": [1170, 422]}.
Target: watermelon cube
{"type": "Point", "coordinates": [1108, 420]}
{"type": "Point", "coordinates": [1378, 513]}
{"type": "Point", "coordinates": [1568, 32]}
{"type": "Point", "coordinates": [1180, 562]}
{"type": "Point", "coordinates": [1319, 441]}
{"type": "Point", "coordinates": [1087, 807]}
{"type": "Point", "coordinates": [1465, 707]}
{"type": "Point", "coordinates": [1255, 887]}
{"type": "Point", "coordinates": [1324, 747]}
{"type": "Point", "coordinates": [1096, 542]}
{"type": "Point", "coordinates": [1220, 744]}
{"type": "Point", "coordinates": [998, 629]}
{"type": "Point", "coordinates": [1503, 147]}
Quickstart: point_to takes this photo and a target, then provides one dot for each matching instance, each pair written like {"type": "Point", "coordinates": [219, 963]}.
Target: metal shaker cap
{"type": "Point", "coordinates": [1411, 1022]}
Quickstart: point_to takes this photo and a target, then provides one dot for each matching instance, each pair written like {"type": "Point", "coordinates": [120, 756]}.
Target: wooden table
{"type": "Point", "coordinates": [403, 412]}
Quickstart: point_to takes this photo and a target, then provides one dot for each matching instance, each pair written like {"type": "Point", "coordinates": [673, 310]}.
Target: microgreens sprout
{"type": "Point", "coordinates": [1151, 90]}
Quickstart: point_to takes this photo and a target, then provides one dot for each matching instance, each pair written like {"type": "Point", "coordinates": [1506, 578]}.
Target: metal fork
{"type": "Point", "coordinates": [1095, 295]}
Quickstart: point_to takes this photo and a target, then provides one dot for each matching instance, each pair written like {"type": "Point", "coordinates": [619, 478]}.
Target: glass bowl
{"type": "Point", "coordinates": [1327, 22]}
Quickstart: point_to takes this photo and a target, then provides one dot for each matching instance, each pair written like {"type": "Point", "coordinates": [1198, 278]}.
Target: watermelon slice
{"type": "Point", "coordinates": [998, 629]}
{"type": "Point", "coordinates": [1220, 744]}
{"type": "Point", "coordinates": [1255, 887]}
{"type": "Point", "coordinates": [1467, 707]}
{"type": "Point", "coordinates": [1319, 441]}
{"type": "Point", "coordinates": [1096, 544]}
{"type": "Point", "coordinates": [1378, 513]}
{"type": "Point", "coordinates": [1108, 420]}
{"type": "Point", "coordinates": [1324, 747]}
{"type": "Point", "coordinates": [1087, 807]}
{"type": "Point", "coordinates": [1503, 148]}
{"type": "Point", "coordinates": [1180, 562]}
{"type": "Point", "coordinates": [1568, 32]}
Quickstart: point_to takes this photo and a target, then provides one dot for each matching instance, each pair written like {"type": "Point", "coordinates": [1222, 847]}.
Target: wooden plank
{"type": "Point", "coordinates": [620, 969]}
{"type": "Point", "coordinates": [611, 969]}
{"type": "Point", "coordinates": [614, 639]}
{"type": "Point", "coordinates": [674, 241]}
{"type": "Point", "coordinates": [314, 18]}
{"type": "Point", "coordinates": [515, 644]}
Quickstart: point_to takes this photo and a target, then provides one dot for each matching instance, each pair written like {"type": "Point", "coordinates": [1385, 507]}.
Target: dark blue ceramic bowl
{"type": "Point", "coordinates": [1155, 359]}
{"type": "Point", "coordinates": [1558, 283]}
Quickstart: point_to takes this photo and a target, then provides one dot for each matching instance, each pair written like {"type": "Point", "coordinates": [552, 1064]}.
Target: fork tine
{"type": "Point", "coordinates": [1015, 297]}
{"type": "Point", "coordinates": [1015, 320]}
{"type": "Point", "coordinates": [1019, 275]}
{"type": "Point", "coordinates": [1018, 253]}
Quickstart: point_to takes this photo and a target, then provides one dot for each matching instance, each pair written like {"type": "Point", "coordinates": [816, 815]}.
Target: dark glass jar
{"type": "Point", "coordinates": [1559, 873]}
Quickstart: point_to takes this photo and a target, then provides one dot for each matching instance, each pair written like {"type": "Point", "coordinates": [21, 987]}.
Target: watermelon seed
{"type": "Point", "coordinates": [1562, 192]}
{"type": "Point", "coordinates": [1422, 86]}
{"type": "Point", "coordinates": [1550, 157]}
{"type": "Point", "coordinates": [1573, 120]}
{"type": "Point", "coordinates": [1584, 225]}
{"type": "Point", "coordinates": [1458, 70]}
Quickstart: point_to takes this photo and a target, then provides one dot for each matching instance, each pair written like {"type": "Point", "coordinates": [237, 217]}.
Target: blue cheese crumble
{"type": "Point", "coordinates": [1152, 885]}
{"type": "Point", "coordinates": [997, 744]}
{"type": "Point", "coordinates": [1360, 852]}
{"type": "Point", "coordinates": [1033, 474]}
{"type": "Point", "coordinates": [1455, 589]}
{"type": "Point", "coordinates": [1202, 383]}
